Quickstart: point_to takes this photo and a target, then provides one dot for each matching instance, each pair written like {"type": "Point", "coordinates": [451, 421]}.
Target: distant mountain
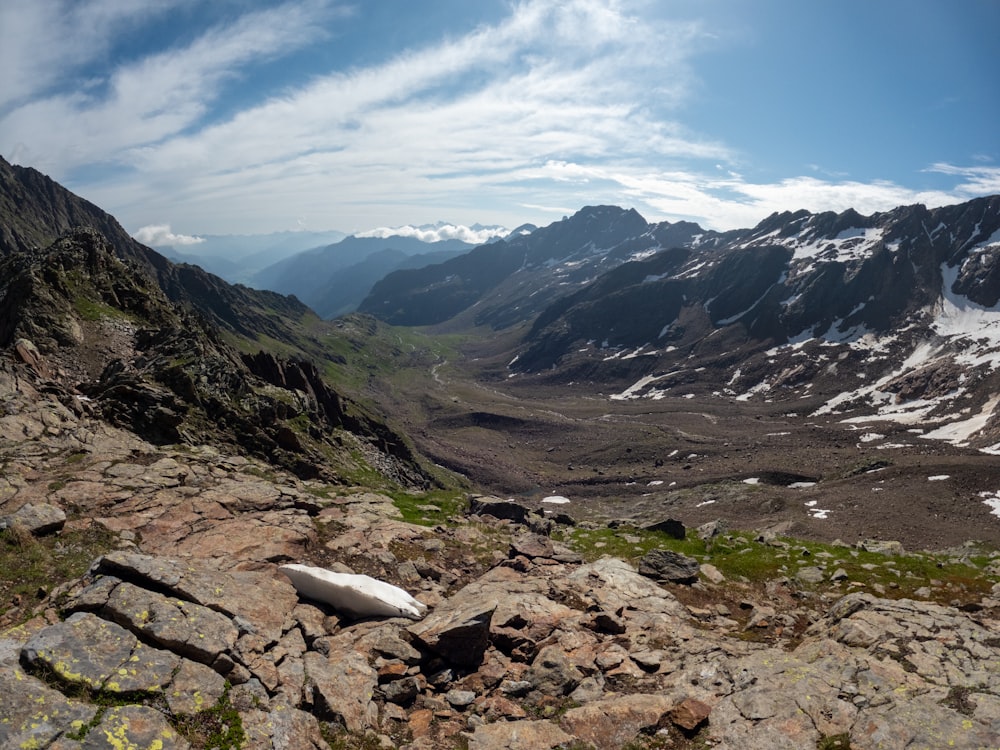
{"type": "Point", "coordinates": [890, 316]}
{"type": "Point", "coordinates": [507, 279]}
{"type": "Point", "coordinates": [350, 285]}
{"type": "Point", "coordinates": [238, 257]}
{"type": "Point", "coordinates": [333, 279]}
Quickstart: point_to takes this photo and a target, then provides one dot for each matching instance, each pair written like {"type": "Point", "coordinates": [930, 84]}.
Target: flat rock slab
{"type": "Point", "coordinates": [183, 627]}
{"type": "Point", "coordinates": [83, 650]}
{"type": "Point", "coordinates": [518, 735]}
{"type": "Point", "coordinates": [33, 714]}
{"type": "Point", "coordinates": [131, 727]}
{"type": "Point", "coordinates": [615, 722]}
{"type": "Point", "coordinates": [261, 599]}
{"type": "Point", "coordinates": [38, 518]}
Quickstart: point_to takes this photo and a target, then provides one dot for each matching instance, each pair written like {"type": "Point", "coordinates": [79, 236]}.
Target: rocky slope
{"type": "Point", "coordinates": [97, 330]}
{"type": "Point", "coordinates": [35, 211]}
{"type": "Point", "coordinates": [187, 631]}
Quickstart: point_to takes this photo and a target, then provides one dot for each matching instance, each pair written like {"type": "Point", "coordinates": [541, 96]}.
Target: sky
{"type": "Point", "coordinates": [191, 117]}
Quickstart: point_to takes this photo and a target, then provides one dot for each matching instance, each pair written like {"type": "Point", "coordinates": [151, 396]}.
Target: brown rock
{"type": "Point", "coordinates": [343, 686]}
{"type": "Point", "coordinates": [518, 735]}
{"type": "Point", "coordinates": [615, 722]}
{"type": "Point", "coordinates": [690, 714]}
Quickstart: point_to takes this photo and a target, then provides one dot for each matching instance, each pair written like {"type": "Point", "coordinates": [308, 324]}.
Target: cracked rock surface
{"type": "Point", "coordinates": [526, 644]}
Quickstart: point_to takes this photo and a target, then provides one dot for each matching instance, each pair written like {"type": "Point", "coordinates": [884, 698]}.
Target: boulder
{"type": "Point", "coordinates": [669, 526]}
{"type": "Point", "coordinates": [342, 687]}
{"type": "Point", "coordinates": [458, 634]}
{"type": "Point", "coordinates": [37, 518]}
{"type": "Point", "coordinates": [615, 722]}
{"type": "Point", "coordinates": [673, 567]}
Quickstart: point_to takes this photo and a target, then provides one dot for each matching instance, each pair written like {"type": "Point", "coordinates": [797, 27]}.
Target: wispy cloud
{"type": "Point", "coordinates": [555, 104]}
{"type": "Point", "coordinates": [143, 102]}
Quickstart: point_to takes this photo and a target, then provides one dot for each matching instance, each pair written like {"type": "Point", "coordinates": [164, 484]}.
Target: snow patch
{"type": "Point", "coordinates": [356, 595]}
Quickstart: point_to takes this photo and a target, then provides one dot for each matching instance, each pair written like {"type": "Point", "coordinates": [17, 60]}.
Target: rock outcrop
{"type": "Point", "coordinates": [190, 624]}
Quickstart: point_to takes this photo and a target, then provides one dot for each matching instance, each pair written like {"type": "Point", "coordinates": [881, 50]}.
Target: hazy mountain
{"type": "Point", "coordinates": [237, 257]}
{"type": "Point", "coordinates": [334, 278]}
{"type": "Point", "coordinates": [436, 293]}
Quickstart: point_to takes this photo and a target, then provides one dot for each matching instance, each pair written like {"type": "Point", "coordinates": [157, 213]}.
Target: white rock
{"type": "Point", "coordinates": [357, 595]}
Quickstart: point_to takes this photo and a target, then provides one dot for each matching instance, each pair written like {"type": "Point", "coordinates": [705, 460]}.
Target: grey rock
{"type": "Point", "coordinates": [460, 698]}
{"type": "Point", "coordinates": [402, 692]}
{"type": "Point", "coordinates": [552, 673]}
{"type": "Point", "coordinates": [38, 518]}
{"type": "Point", "coordinates": [503, 509]}
{"type": "Point", "coordinates": [33, 714]}
{"type": "Point", "coordinates": [518, 735]}
{"type": "Point", "coordinates": [665, 565]}
{"type": "Point", "coordinates": [186, 628]}
{"type": "Point", "coordinates": [458, 634]}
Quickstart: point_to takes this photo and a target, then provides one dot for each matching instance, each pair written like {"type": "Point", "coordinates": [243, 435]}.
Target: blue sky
{"type": "Point", "coordinates": [247, 116]}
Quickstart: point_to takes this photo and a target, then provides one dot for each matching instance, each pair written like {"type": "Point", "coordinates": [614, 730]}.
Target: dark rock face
{"type": "Point", "coordinates": [436, 293]}
{"type": "Point", "coordinates": [35, 211]}
{"type": "Point", "coordinates": [101, 331]}
{"type": "Point", "coordinates": [664, 565]}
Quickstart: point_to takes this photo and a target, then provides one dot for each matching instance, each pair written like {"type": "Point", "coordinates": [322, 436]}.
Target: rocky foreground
{"type": "Point", "coordinates": [187, 635]}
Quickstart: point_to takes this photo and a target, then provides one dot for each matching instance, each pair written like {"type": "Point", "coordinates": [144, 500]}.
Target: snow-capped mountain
{"type": "Point", "coordinates": [893, 316]}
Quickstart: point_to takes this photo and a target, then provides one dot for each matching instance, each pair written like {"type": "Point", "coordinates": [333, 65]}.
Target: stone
{"type": "Point", "coordinates": [194, 688]}
{"type": "Point", "coordinates": [711, 573]}
{"type": "Point", "coordinates": [882, 547]}
{"type": "Point", "coordinates": [38, 518]}
{"type": "Point", "coordinates": [186, 628]}
{"type": "Point", "coordinates": [615, 722]}
{"type": "Point", "coordinates": [552, 673]}
{"type": "Point", "coordinates": [342, 687]}
{"type": "Point", "coordinates": [82, 650]}
{"type": "Point", "coordinates": [460, 698]}
{"type": "Point", "coordinates": [33, 714]}
{"type": "Point", "coordinates": [401, 692]}
{"type": "Point", "coordinates": [133, 727]}
{"type": "Point", "coordinates": [690, 714]}
{"type": "Point", "coordinates": [670, 526]}
{"type": "Point", "coordinates": [518, 735]}
{"type": "Point", "coordinates": [810, 574]}
{"type": "Point", "coordinates": [458, 634]}
{"type": "Point", "coordinates": [493, 506]}
{"type": "Point", "coordinates": [665, 565]}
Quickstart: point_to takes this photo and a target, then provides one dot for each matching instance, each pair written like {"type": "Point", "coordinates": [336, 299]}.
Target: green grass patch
{"type": "Point", "coordinates": [740, 558]}
{"type": "Point", "coordinates": [31, 565]}
{"type": "Point", "coordinates": [429, 508]}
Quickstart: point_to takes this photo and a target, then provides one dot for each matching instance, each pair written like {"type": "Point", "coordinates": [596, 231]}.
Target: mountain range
{"type": "Point", "coordinates": [700, 541]}
{"type": "Point", "coordinates": [894, 313]}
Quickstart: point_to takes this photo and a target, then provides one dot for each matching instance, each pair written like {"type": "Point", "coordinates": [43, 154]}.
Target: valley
{"type": "Point", "coordinates": [755, 464]}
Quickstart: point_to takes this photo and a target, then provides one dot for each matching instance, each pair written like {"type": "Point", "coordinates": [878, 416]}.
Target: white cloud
{"type": "Point", "coordinates": [477, 235]}
{"type": "Point", "coordinates": [556, 104]}
{"type": "Point", "coordinates": [980, 180]}
{"type": "Point", "coordinates": [142, 103]}
{"type": "Point", "coordinates": [159, 235]}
